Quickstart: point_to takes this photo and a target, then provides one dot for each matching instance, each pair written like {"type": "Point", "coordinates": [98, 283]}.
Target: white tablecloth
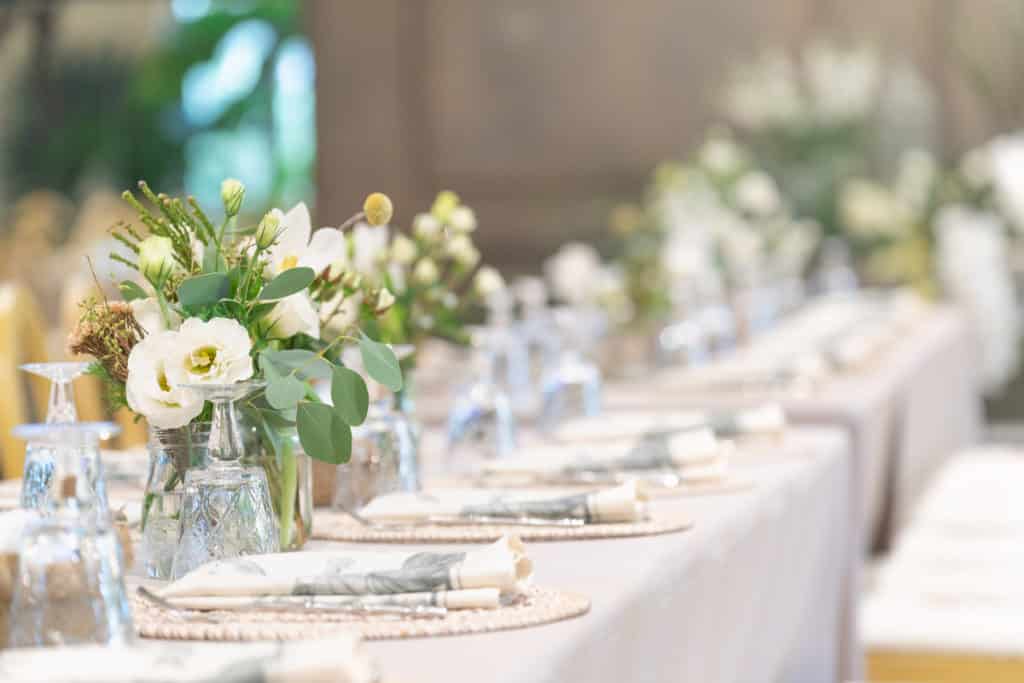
{"type": "Point", "coordinates": [906, 413]}
{"type": "Point", "coordinates": [755, 591]}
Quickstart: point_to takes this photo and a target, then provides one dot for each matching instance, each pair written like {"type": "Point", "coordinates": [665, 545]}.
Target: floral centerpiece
{"type": "Point", "coordinates": [224, 303]}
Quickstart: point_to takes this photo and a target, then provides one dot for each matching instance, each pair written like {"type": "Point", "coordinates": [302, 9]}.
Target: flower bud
{"type": "Point", "coordinates": [426, 272]}
{"type": "Point", "coordinates": [488, 281]}
{"type": "Point", "coordinates": [426, 227]}
{"type": "Point", "coordinates": [266, 231]}
{"type": "Point", "coordinates": [156, 258]}
{"type": "Point", "coordinates": [462, 219]}
{"type": "Point", "coordinates": [378, 209]}
{"type": "Point", "coordinates": [461, 249]}
{"type": "Point", "coordinates": [444, 205]}
{"type": "Point", "coordinates": [385, 300]}
{"type": "Point", "coordinates": [403, 250]}
{"type": "Point", "coordinates": [231, 193]}
{"type": "Point", "coordinates": [352, 280]}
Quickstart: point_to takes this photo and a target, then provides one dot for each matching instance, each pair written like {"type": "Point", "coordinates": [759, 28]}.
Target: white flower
{"type": "Point", "coordinates": [756, 193]}
{"type": "Point", "coordinates": [869, 210]}
{"type": "Point", "coordinates": [403, 250]}
{"type": "Point", "coordinates": [426, 272]}
{"type": "Point", "coordinates": [721, 156]}
{"type": "Point", "coordinates": [843, 84]}
{"type": "Point", "coordinates": [573, 272]}
{"type": "Point", "coordinates": [1006, 156]}
{"type": "Point", "coordinates": [917, 174]}
{"type": "Point", "coordinates": [294, 248]}
{"type": "Point", "coordinates": [385, 300]}
{"type": "Point", "coordinates": [462, 219]}
{"type": "Point", "coordinates": [156, 258]}
{"type": "Point", "coordinates": [147, 313]}
{"type": "Point", "coordinates": [149, 389]}
{"type": "Point", "coordinates": [293, 315]}
{"type": "Point", "coordinates": [369, 245]}
{"type": "Point", "coordinates": [343, 313]}
{"type": "Point", "coordinates": [488, 281]}
{"type": "Point", "coordinates": [213, 352]}
{"type": "Point", "coordinates": [461, 249]}
{"type": "Point", "coordinates": [426, 227]}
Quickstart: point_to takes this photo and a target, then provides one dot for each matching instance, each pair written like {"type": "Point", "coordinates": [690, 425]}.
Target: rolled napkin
{"type": "Point", "coordinates": [624, 503]}
{"type": "Point", "coordinates": [766, 419]}
{"type": "Point", "coordinates": [696, 455]}
{"type": "Point", "coordinates": [342, 659]}
{"type": "Point", "coordinates": [472, 579]}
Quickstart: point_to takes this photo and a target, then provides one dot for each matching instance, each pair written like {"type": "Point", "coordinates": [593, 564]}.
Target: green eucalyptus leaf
{"type": "Point", "coordinates": [304, 364]}
{"type": "Point", "coordinates": [349, 394]}
{"type": "Point", "coordinates": [287, 283]}
{"type": "Point", "coordinates": [132, 291]}
{"type": "Point", "coordinates": [203, 290]}
{"type": "Point", "coordinates": [213, 260]}
{"type": "Point", "coordinates": [323, 434]}
{"type": "Point", "coordinates": [380, 362]}
{"type": "Point", "coordinates": [285, 392]}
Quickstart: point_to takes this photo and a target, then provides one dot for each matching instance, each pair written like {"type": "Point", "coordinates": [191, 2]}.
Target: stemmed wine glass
{"type": "Point", "coordinates": [70, 582]}
{"type": "Point", "coordinates": [38, 473]}
{"type": "Point", "coordinates": [225, 508]}
{"type": "Point", "coordinates": [572, 388]}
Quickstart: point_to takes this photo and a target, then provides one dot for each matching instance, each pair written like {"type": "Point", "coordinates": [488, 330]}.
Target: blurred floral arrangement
{"type": "Point", "coordinates": [433, 274]}
{"type": "Point", "coordinates": [826, 115]}
{"type": "Point", "coordinates": [220, 304]}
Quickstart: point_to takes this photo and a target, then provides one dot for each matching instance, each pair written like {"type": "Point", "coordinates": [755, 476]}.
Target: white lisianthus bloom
{"type": "Point", "coordinates": [294, 246]}
{"type": "Point", "coordinates": [461, 249]}
{"type": "Point", "coordinates": [403, 250]}
{"type": "Point", "coordinates": [369, 248]}
{"type": "Point", "coordinates": [293, 315]}
{"type": "Point", "coordinates": [488, 281]}
{"type": "Point", "coordinates": [341, 314]}
{"type": "Point", "coordinates": [426, 227]}
{"type": "Point", "coordinates": [426, 272]}
{"type": "Point", "coordinates": [462, 219]}
{"type": "Point", "coordinates": [757, 194]}
{"type": "Point", "coordinates": [573, 271]}
{"type": "Point", "coordinates": [213, 352]}
{"type": "Point", "coordinates": [150, 391]}
{"type": "Point", "coordinates": [156, 258]}
{"type": "Point", "coordinates": [147, 314]}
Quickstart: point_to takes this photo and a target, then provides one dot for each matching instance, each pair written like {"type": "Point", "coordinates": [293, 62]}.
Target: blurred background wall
{"type": "Point", "coordinates": [543, 113]}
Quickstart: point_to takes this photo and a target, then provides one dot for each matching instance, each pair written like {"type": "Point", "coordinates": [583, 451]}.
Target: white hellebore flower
{"type": "Point", "coordinates": [214, 352]}
{"type": "Point", "coordinates": [403, 250]}
{"type": "Point", "coordinates": [149, 389]}
{"type": "Point", "coordinates": [369, 245]}
{"type": "Point", "coordinates": [426, 227]}
{"type": "Point", "coordinates": [462, 219]}
{"type": "Point", "coordinates": [147, 314]}
{"type": "Point", "coordinates": [294, 246]}
{"type": "Point", "coordinates": [488, 281]}
{"type": "Point", "coordinates": [757, 194]}
{"type": "Point", "coordinates": [293, 315]}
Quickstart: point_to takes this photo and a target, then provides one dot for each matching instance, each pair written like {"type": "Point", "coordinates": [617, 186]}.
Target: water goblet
{"type": "Point", "coordinates": [37, 476]}
{"type": "Point", "coordinates": [226, 510]}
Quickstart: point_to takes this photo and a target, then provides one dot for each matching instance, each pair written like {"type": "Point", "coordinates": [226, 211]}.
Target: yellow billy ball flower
{"type": "Point", "coordinates": [378, 209]}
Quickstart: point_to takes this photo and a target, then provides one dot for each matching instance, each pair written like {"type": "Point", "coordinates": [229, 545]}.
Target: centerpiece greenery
{"type": "Point", "coordinates": [226, 303]}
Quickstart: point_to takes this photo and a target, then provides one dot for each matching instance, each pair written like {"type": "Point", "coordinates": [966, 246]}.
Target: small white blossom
{"type": "Point", "coordinates": [462, 219]}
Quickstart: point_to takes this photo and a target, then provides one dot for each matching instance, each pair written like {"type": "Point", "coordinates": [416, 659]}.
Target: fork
{"type": "Point", "coordinates": [466, 520]}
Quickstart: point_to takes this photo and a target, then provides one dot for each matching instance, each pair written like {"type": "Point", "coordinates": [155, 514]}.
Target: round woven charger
{"type": "Point", "coordinates": [537, 606]}
{"type": "Point", "coordinates": [336, 526]}
{"type": "Point", "coordinates": [720, 487]}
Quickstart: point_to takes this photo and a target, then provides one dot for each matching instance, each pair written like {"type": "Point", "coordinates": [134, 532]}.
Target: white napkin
{"type": "Point", "coordinates": [338, 660]}
{"type": "Point", "coordinates": [696, 454]}
{"type": "Point", "coordinates": [767, 419]}
{"type": "Point", "coordinates": [623, 503]}
{"type": "Point", "coordinates": [412, 577]}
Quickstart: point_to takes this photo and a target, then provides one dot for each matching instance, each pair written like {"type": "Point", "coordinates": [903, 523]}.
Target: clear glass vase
{"type": "Point", "coordinates": [171, 453]}
{"type": "Point", "coordinates": [290, 479]}
{"type": "Point", "coordinates": [380, 446]}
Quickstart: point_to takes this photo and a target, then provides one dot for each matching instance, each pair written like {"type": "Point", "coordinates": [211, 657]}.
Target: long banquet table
{"type": "Point", "coordinates": [907, 412]}
{"type": "Point", "coordinates": [757, 590]}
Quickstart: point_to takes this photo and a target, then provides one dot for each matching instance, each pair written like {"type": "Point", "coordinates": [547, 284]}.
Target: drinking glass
{"type": "Point", "coordinates": [481, 423]}
{"type": "Point", "coordinates": [383, 455]}
{"type": "Point", "coordinates": [572, 387]}
{"type": "Point", "coordinates": [226, 510]}
{"type": "Point", "coordinates": [37, 476]}
{"type": "Point", "coordinates": [70, 583]}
